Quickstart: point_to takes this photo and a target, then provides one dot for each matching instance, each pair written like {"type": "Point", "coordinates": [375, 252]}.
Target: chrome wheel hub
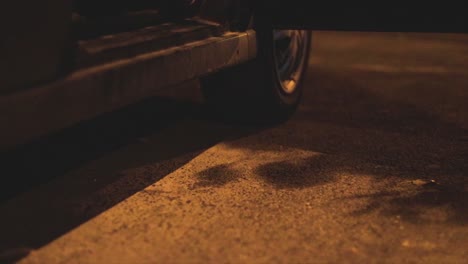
{"type": "Point", "coordinates": [290, 48]}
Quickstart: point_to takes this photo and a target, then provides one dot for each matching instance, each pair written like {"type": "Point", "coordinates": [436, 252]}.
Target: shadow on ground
{"type": "Point", "coordinates": [54, 186]}
{"type": "Point", "coordinates": [431, 203]}
{"type": "Point", "coordinates": [362, 131]}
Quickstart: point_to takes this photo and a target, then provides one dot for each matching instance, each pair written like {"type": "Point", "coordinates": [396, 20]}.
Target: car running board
{"type": "Point", "coordinates": [118, 70]}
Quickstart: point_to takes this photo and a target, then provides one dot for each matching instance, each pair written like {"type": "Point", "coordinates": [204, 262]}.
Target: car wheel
{"type": "Point", "coordinates": [267, 89]}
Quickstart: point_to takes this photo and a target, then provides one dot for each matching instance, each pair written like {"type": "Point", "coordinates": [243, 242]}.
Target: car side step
{"type": "Point", "coordinates": [123, 72]}
{"type": "Point", "coordinates": [123, 45]}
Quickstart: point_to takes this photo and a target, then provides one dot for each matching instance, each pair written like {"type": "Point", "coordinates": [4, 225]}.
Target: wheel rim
{"type": "Point", "coordinates": [290, 48]}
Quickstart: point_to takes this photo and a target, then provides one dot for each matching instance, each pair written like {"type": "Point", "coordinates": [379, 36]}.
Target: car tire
{"type": "Point", "coordinates": [267, 89]}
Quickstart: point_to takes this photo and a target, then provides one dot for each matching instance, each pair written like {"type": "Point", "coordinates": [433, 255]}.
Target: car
{"type": "Point", "coordinates": [67, 61]}
{"type": "Point", "coordinates": [91, 57]}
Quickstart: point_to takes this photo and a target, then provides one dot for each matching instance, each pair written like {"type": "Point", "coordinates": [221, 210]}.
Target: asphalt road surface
{"type": "Point", "coordinates": [372, 169]}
